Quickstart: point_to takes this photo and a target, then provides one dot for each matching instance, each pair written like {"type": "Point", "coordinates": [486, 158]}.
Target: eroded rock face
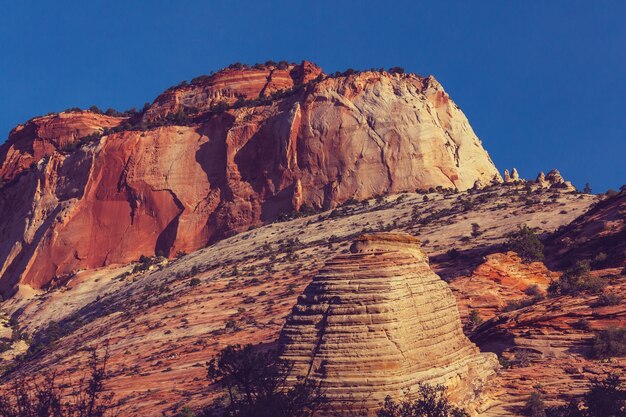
{"type": "Point", "coordinates": [501, 278]}
{"type": "Point", "coordinates": [43, 136]}
{"type": "Point", "coordinates": [178, 188]}
{"type": "Point", "coordinates": [601, 230]}
{"type": "Point", "coordinates": [377, 322]}
{"type": "Point", "coordinates": [549, 344]}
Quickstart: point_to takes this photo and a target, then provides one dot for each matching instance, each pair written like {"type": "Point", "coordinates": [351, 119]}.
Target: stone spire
{"type": "Point", "coordinates": [507, 176]}
{"type": "Point", "coordinates": [379, 321]}
{"type": "Point", "coordinates": [514, 175]}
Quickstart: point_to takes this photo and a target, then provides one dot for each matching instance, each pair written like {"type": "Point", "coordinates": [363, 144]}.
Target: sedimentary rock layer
{"type": "Point", "coordinates": [173, 189]}
{"type": "Point", "coordinates": [377, 322]}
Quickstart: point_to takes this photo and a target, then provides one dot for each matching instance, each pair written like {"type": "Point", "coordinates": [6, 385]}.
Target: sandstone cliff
{"type": "Point", "coordinates": [378, 322]}
{"type": "Point", "coordinates": [159, 186]}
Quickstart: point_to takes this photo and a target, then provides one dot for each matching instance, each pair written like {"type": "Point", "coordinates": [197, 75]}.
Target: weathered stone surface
{"type": "Point", "coordinates": [501, 278]}
{"type": "Point", "coordinates": [377, 322]}
{"type": "Point", "coordinates": [556, 180]}
{"type": "Point", "coordinates": [231, 84]}
{"type": "Point", "coordinates": [548, 345]}
{"type": "Point", "coordinates": [177, 188]}
{"type": "Point", "coordinates": [600, 230]}
{"type": "Point", "coordinates": [43, 136]}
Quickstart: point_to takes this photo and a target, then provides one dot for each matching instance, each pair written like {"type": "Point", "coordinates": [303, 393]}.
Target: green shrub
{"type": "Point", "coordinates": [576, 280]}
{"type": "Point", "coordinates": [521, 303]}
{"type": "Point", "coordinates": [609, 343]}
{"type": "Point", "coordinates": [526, 243]}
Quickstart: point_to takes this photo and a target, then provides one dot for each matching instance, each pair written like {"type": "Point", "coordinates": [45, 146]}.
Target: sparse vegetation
{"type": "Point", "coordinates": [255, 385]}
{"type": "Point", "coordinates": [605, 398]}
{"type": "Point", "coordinates": [431, 401]}
{"type": "Point", "coordinates": [527, 244]}
{"type": "Point", "coordinates": [609, 343]}
{"type": "Point", "coordinates": [535, 406]}
{"type": "Point", "coordinates": [46, 397]}
{"type": "Point", "coordinates": [576, 280]}
{"type": "Point", "coordinates": [522, 303]}
{"type": "Point", "coordinates": [474, 320]}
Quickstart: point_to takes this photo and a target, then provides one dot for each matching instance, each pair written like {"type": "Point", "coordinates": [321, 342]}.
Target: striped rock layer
{"type": "Point", "coordinates": [378, 322]}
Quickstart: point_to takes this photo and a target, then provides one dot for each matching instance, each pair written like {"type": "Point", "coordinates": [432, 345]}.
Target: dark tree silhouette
{"type": "Point", "coordinates": [44, 397]}
{"type": "Point", "coordinates": [258, 384]}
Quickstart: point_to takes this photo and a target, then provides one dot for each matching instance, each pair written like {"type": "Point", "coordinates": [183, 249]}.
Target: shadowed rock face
{"type": "Point", "coordinates": [377, 322]}
{"type": "Point", "coordinates": [600, 230]}
{"type": "Point", "coordinates": [178, 188]}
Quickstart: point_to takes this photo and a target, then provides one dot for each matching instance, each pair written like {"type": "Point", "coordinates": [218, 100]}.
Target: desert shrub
{"type": "Point", "coordinates": [576, 280]}
{"type": "Point", "coordinates": [194, 282]}
{"type": "Point", "coordinates": [535, 406]}
{"type": "Point", "coordinates": [582, 324]}
{"type": "Point", "coordinates": [476, 230]}
{"type": "Point", "coordinates": [526, 243]}
{"type": "Point", "coordinates": [521, 303]}
{"type": "Point", "coordinates": [396, 70]}
{"type": "Point", "coordinates": [533, 291]}
{"type": "Point", "coordinates": [474, 320]}
{"type": "Point", "coordinates": [609, 343]}
{"type": "Point", "coordinates": [255, 385]}
{"type": "Point", "coordinates": [45, 397]}
{"type": "Point", "coordinates": [607, 299]}
{"type": "Point", "coordinates": [431, 401]}
{"type": "Point", "coordinates": [605, 398]}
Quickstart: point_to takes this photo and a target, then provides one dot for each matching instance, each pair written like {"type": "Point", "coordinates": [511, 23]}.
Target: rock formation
{"type": "Point", "coordinates": [548, 343]}
{"type": "Point", "coordinates": [541, 180]}
{"type": "Point", "coordinates": [501, 278]}
{"type": "Point", "coordinates": [377, 322]}
{"type": "Point", "coordinates": [43, 136]}
{"type": "Point", "coordinates": [556, 180]}
{"type": "Point", "coordinates": [158, 187]}
{"type": "Point", "coordinates": [512, 177]}
{"type": "Point", "coordinates": [601, 230]}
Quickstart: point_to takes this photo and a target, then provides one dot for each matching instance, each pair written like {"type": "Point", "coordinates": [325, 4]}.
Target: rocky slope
{"type": "Point", "coordinates": [548, 345]}
{"type": "Point", "coordinates": [377, 322]}
{"type": "Point", "coordinates": [188, 171]}
{"type": "Point", "coordinates": [163, 326]}
{"type": "Point", "coordinates": [601, 230]}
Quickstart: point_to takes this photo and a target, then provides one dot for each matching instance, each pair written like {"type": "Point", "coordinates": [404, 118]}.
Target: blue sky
{"type": "Point", "coordinates": [542, 83]}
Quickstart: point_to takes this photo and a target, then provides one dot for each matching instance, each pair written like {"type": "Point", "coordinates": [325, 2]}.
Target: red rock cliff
{"type": "Point", "coordinates": [176, 188]}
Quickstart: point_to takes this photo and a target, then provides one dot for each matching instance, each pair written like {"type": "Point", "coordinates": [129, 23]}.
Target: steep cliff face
{"type": "Point", "coordinates": [176, 188]}
{"type": "Point", "coordinates": [43, 136]}
{"type": "Point", "coordinates": [378, 322]}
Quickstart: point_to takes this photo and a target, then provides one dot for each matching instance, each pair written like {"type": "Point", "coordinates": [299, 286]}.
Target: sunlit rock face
{"type": "Point", "coordinates": [170, 189]}
{"type": "Point", "coordinates": [379, 321]}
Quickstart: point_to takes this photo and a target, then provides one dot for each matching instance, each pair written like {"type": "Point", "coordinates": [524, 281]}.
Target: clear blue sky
{"type": "Point", "coordinates": [543, 83]}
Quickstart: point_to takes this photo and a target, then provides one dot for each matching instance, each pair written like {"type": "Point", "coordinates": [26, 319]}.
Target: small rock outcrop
{"type": "Point", "coordinates": [556, 180]}
{"type": "Point", "coordinates": [511, 177]}
{"type": "Point", "coordinates": [541, 180]}
{"type": "Point", "coordinates": [378, 322]}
